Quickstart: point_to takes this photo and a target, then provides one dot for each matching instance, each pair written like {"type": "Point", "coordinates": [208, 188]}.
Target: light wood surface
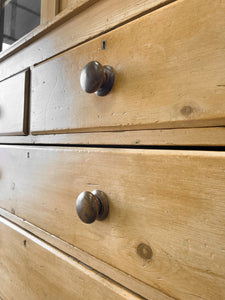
{"type": "Point", "coordinates": [214, 136]}
{"type": "Point", "coordinates": [171, 82]}
{"type": "Point", "coordinates": [164, 236]}
{"type": "Point", "coordinates": [13, 104]}
{"type": "Point", "coordinates": [103, 15]}
{"type": "Point", "coordinates": [49, 9]}
{"type": "Point", "coordinates": [117, 275]}
{"type": "Point", "coordinates": [44, 28]}
{"type": "Point", "coordinates": [172, 201]}
{"type": "Point", "coordinates": [63, 4]}
{"type": "Point", "coordinates": [31, 269]}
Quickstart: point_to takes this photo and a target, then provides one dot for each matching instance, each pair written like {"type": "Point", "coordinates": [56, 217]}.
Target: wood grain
{"type": "Point", "coordinates": [115, 274]}
{"type": "Point", "coordinates": [46, 42]}
{"type": "Point", "coordinates": [14, 93]}
{"type": "Point", "coordinates": [171, 82]}
{"type": "Point", "coordinates": [39, 271]}
{"type": "Point", "coordinates": [214, 136]}
{"type": "Point", "coordinates": [63, 4]}
{"type": "Point", "coordinates": [44, 28]}
{"type": "Point", "coordinates": [49, 9]}
{"type": "Point", "coordinates": [172, 201]}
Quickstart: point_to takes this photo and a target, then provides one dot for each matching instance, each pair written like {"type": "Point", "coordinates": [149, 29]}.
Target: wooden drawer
{"type": "Point", "coordinates": [13, 104]}
{"type": "Point", "coordinates": [169, 68]}
{"type": "Point", "coordinates": [31, 269]}
{"type": "Point", "coordinates": [170, 201]}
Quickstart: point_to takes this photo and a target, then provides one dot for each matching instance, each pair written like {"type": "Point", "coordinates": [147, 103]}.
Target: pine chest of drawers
{"type": "Point", "coordinates": [120, 196]}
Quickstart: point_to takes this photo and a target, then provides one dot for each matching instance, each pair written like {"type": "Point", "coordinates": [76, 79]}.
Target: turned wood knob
{"type": "Point", "coordinates": [97, 79]}
{"type": "Point", "coordinates": [92, 206]}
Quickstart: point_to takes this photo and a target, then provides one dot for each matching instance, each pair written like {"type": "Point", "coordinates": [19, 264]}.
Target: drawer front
{"type": "Point", "coordinates": [169, 202]}
{"type": "Point", "coordinates": [169, 73]}
{"type": "Point", "coordinates": [13, 104]}
{"type": "Point", "coordinates": [31, 269]}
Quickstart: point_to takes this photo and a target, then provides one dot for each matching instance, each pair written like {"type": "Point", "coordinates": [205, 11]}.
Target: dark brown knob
{"type": "Point", "coordinates": [97, 79]}
{"type": "Point", "coordinates": [92, 206]}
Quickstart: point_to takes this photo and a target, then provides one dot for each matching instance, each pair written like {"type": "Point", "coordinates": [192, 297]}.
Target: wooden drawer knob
{"type": "Point", "coordinates": [97, 79]}
{"type": "Point", "coordinates": [92, 206]}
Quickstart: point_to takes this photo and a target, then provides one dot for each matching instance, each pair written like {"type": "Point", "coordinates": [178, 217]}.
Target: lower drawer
{"type": "Point", "coordinates": [169, 202]}
{"type": "Point", "coordinates": [31, 269]}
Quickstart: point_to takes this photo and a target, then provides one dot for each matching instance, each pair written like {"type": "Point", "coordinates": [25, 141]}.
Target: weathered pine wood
{"type": "Point", "coordinates": [14, 93]}
{"type": "Point", "coordinates": [49, 9]}
{"type": "Point", "coordinates": [31, 269]}
{"type": "Point", "coordinates": [172, 201]}
{"type": "Point", "coordinates": [44, 28]}
{"type": "Point", "coordinates": [214, 136]}
{"type": "Point", "coordinates": [103, 15]}
{"type": "Point", "coordinates": [115, 274]}
{"type": "Point", "coordinates": [63, 4]}
{"type": "Point", "coordinates": [169, 76]}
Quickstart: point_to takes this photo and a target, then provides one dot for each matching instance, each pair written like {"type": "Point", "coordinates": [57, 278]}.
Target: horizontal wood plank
{"type": "Point", "coordinates": [115, 274]}
{"type": "Point", "coordinates": [14, 93]}
{"type": "Point", "coordinates": [31, 269]}
{"type": "Point", "coordinates": [172, 201]}
{"type": "Point", "coordinates": [214, 136]}
{"type": "Point", "coordinates": [45, 26]}
{"type": "Point", "coordinates": [43, 43]}
{"type": "Point", "coordinates": [171, 82]}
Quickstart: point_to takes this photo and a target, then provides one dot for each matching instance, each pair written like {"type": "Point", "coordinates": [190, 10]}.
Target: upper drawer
{"type": "Point", "coordinates": [169, 72]}
{"type": "Point", "coordinates": [172, 202]}
{"type": "Point", "coordinates": [14, 94]}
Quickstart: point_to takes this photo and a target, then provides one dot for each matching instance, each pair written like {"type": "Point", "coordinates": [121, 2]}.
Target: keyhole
{"type": "Point", "coordinates": [103, 45]}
